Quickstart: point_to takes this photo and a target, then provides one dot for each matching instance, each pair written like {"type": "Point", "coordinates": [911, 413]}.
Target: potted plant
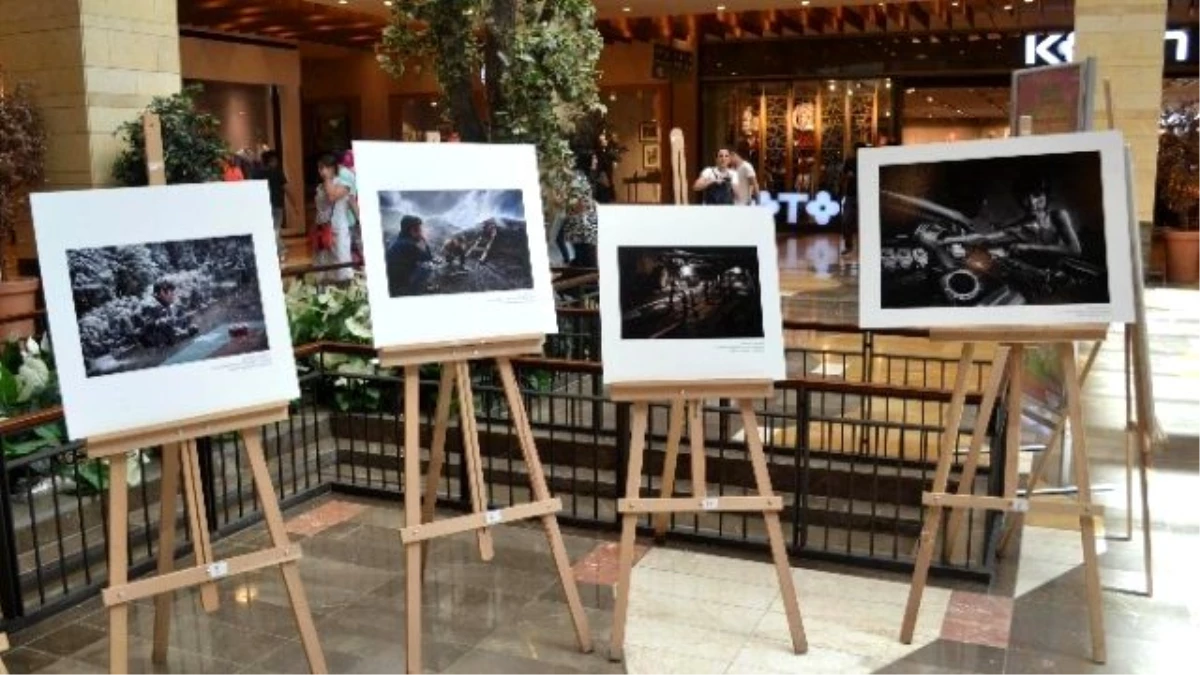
{"type": "Point", "coordinates": [1177, 195]}
{"type": "Point", "coordinates": [22, 163]}
{"type": "Point", "coordinates": [192, 144]}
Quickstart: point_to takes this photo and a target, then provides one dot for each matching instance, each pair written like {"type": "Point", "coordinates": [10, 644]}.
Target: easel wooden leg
{"type": "Point", "coordinates": [412, 516]}
{"type": "Point", "coordinates": [1087, 522]}
{"type": "Point", "coordinates": [762, 480]}
{"type": "Point", "coordinates": [1145, 427]}
{"type": "Point", "coordinates": [967, 481]}
{"type": "Point", "coordinates": [3, 648]}
{"type": "Point", "coordinates": [279, 538]}
{"type": "Point", "coordinates": [670, 462]}
{"type": "Point", "coordinates": [471, 454]}
{"type": "Point", "coordinates": [437, 451]}
{"type": "Point", "coordinates": [633, 487]}
{"type": "Point", "coordinates": [541, 492]}
{"type": "Point", "coordinates": [118, 563]}
{"type": "Point", "coordinates": [941, 478]}
{"type": "Point", "coordinates": [1130, 430]}
{"type": "Point", "coordinates": [166, 547]}
{"type": "Point", "coordinates": [193, 494]}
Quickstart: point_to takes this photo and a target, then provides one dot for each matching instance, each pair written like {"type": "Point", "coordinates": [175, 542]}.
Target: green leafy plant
{"type": "Point", "coordinates": [533, 60]}
{"type": "Point", "coordinates": [192, 143]}
{"type": "Point", "coordinates": [1177, 181]}
{"type": "Point", "coordinates": [28, 383]}
{"type": "Point", "coordinates": [22, 157]}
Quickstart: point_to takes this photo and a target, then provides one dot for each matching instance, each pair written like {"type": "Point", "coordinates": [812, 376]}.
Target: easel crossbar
{"type": "Point", "coordinates": [479, 521]}
{"type": "Point", "coordinates": [194, 576]}
{"type": "Point", "coordinates": [691, 391]}
{"type": "Point", "coordinates": [689, 504]}
{"type": "Point", "coordinates": [467, 350]}
{"type": "Point", "coordinates": [1014, 505]}
{"type": "Point", "coordinates": [253, 417]}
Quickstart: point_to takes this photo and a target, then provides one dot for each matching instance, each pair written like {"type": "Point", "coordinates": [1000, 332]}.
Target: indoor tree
{"type": "Point", "coordinates": [533, 61]}
{"type": "Point", "coordinates": [192, 144]}
{"type": "Point", "coordinates": [22, 157]}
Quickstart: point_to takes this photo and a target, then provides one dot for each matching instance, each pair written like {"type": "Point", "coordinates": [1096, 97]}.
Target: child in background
{"type": "Point", "coordinates": [347, 177]}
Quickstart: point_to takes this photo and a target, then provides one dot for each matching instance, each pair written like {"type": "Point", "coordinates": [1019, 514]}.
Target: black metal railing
{"type": "Point", "coordinates": [852, 438]}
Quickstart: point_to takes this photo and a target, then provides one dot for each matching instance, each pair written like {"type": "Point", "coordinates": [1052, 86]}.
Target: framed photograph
{"type": "Point", "coordinates": [453, 234]}
{"type": "Point", "coordinates": [1057, 99]}
{"type": "Point", "coordinates": [650, 156]}
{"type": "Point", "coordinates": [648, 132]}
{"type": "Point", "coordinates": [689, 293]}
{"type": "Point", "coordinates": [163, 289]}
{"type": "Point", "coordinates": [1017, 231]}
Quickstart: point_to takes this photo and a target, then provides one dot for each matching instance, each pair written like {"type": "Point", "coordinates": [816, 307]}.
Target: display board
{"type": "Point", "coordinates": [163, 289]}
{"type": "Point", "coordinates": [453, 241]}
{"type": "Point", "coordinates": [689, 293]}
{"type": "Point", "coordinates": [1017, 231]}
{"type": "Point", "coordinates": [1057, 99]}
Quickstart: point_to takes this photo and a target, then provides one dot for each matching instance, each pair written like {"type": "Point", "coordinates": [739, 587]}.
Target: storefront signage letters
{"type": "Point", "coordinates": [1055, 48]}
{"type": "Point", "coordinates": [823, 207]}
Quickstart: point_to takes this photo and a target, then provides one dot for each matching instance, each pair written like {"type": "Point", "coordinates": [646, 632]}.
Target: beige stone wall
{"type": "Point", "coordinates": [1126, 38]}
{"type": "Point", "coordinates": [94, 64]}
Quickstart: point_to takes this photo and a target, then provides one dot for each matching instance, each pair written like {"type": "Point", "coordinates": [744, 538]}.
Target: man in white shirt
{"type": "Point", "coordinates": [745, 185]}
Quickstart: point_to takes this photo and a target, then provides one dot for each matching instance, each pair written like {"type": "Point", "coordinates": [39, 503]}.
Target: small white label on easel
{"type": "Point", "coordinates": [218, 569]}
{"type": "Point", "coordinates": [493, 517]}
{"type": "Point", "coordinates": [708, 503]}
{"type": "Point", "coordinates": [1020, 506]}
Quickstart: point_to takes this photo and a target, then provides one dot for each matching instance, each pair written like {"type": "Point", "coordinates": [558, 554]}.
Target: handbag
{"type": "Point", "coordinates": [320, 238]}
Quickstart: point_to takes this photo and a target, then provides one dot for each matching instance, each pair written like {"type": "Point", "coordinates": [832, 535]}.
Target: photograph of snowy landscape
{"type": "Point", "coordinates": [143, 306]}
{"type": "Point", "coordinates": [454, 241]}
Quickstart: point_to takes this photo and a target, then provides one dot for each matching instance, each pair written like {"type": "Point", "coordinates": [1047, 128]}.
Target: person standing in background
{"type": "Point", "coordinates": [745, 184]}
{"type": "Point", "coordinates": [230, 170]}
{"type": "Point", "coordinates": [849, 190]}
{"type": "Point", "coordinates": [348, 176]}
{"type": "Point", "coordinates": [338, 192]}
{"type": "Point", "coordinates": [272, 172]}
{"type": "Point", "coordinates": [715, 183]}
{"type": "Point", "coordinates": [579, 225]}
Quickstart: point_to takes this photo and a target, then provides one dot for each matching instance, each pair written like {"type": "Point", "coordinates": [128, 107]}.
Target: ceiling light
{"type": "Point", "coordinates": [954, 4]}
{"type": "Point", "coordinates": [910, 90]}
{"type": "Point", "coordinates": [387, 3]}
{"type": "Point", "coordinates": [342, 2]}
{"type": "Point", "coordinates": [929, 99]}
{"type": "Point", "coordinates": [1029, 2]}
{"type": "Point", "coordinates": [805, 3]}
{"type": "Point", "coordinates": [1008, 8]}
{"type": "Point", "coordinates": [626, 9]}
{"type": "Point", "coordinates": [720, 8]}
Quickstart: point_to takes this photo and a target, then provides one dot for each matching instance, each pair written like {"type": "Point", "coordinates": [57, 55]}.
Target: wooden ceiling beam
{"type": "Point", "coordinates": [855, 19]}
{"type": "Point", "coordinates": [749, 22]}
{"type": "Point", "coordinates": [789, 20]}
{"type": "Point", "coordinates": [917, 12]}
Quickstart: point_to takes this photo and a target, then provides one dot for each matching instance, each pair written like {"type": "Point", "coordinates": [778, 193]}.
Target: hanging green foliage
{"type": "Point", "coordinates": [533, 61]}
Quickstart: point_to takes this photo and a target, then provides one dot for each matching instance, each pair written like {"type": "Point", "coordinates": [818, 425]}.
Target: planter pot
{"type": "Point", "coordinates": [1183, 256]}
{"type": "Point", "coordinates": [17, 297]}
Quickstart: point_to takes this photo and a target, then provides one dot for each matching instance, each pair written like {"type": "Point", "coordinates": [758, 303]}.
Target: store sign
{"type": "Point", "coordinates": [1052, 49]}
{"type": "Point", "coordinates": [822, 208]}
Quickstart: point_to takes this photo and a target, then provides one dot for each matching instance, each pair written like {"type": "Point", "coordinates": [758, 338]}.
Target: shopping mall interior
{"type": "Point", "coordinates": [906, 499]}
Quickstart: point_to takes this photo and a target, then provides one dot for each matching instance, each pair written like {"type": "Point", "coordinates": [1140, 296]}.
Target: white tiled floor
{"type": "Point", "coordinates": [697, 613]}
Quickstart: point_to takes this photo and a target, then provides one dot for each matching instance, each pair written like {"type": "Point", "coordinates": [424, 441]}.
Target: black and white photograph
{"type": "Point", "coordinates": [689, 293]}
{"type": "Point", "coordinates": [165, 303]}
{"type": "Point", "coordinates": [160, 304]}
{"type": "Point", "coordinates": [1024, 230]}
{"type": "Point", "coordinates": [440, 242]}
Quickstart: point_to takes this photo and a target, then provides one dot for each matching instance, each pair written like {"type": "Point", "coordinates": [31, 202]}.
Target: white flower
{"type": "Point", "coordinates": [31, 347]}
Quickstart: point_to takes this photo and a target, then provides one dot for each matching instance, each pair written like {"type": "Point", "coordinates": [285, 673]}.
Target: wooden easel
{"type": "Point", "coordinates": [179, 454]}
{"type": "Point", "coordinates": [688, 399]}
{"type": "Point", "coordinates": [680, 185]}
{"type": "Point", "coordinates": [3, 642]}
{"type": "Point", "coordinates": [1008, 362]}
{"type": "Point", "coordinates": [419, 525]}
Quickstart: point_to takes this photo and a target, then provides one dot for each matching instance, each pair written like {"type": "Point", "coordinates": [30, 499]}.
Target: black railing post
{"type": "Point", "coordinates": [622, 449]}
{"type": "Point", "coordinates": [11, 604]}
{"type": "Point", "coordinates": [800, 484]}
{"type": "Point", "coordinates": [204, 450]}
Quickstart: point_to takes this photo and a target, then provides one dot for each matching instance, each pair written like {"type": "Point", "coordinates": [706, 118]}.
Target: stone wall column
{"type": "Point", "coordinates": [1126, 39]}
{"type": "Point", "coordinates": [94, 64]}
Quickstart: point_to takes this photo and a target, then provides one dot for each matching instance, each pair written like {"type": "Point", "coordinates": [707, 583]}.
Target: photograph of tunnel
{"type": "Point", "coordinates": [689, 293]}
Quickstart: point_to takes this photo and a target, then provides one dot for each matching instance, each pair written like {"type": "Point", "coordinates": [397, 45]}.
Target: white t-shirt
{"type": "Point", "coordinates": [743, 181]}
